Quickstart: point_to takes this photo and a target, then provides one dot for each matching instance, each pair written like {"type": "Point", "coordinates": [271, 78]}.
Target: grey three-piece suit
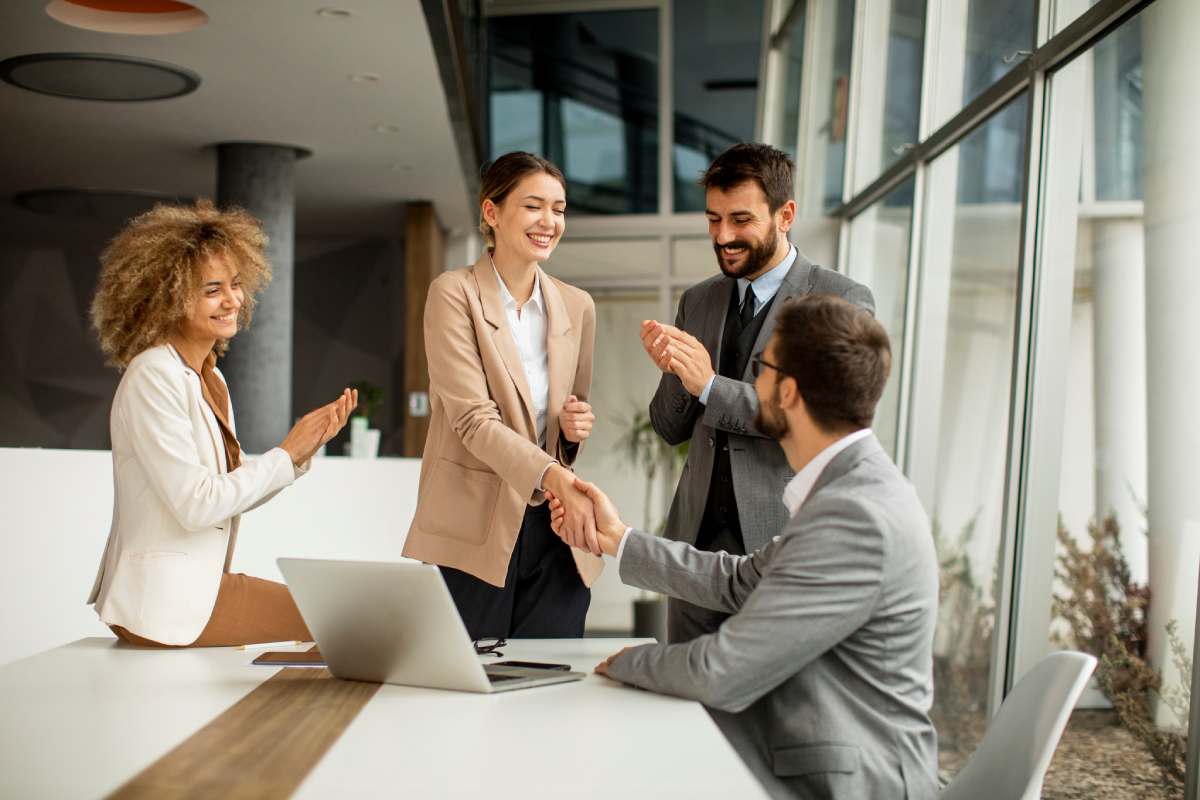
{"type": "Point", "coordinates": [759, 470]}
{"type": "Point", "coordinates": [823, 677]}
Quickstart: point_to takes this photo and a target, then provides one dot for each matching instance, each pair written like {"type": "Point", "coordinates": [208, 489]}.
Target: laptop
{"type": "Point", "coordinates": [395, 622]}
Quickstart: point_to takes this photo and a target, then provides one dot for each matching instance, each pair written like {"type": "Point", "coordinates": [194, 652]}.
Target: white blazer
{"type": "Point", "coordinates": [175, 506]}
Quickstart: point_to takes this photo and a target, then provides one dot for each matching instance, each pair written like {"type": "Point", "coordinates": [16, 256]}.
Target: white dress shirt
{"type": "Point", "coordinates": [765, 287]}
{"type": "Point", "coordinates": [801, 485]}
{"type": "Point", "coordinates": [528, 329]}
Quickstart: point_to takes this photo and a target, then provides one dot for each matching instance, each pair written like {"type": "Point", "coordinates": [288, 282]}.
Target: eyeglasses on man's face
{"type": "Point", "coordinates": [757, 362]}
{"type": "Point", "coordinates": [490, 646]}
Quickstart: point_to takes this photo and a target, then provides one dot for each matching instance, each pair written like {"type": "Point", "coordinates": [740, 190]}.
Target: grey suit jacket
{"type": "Point", "coordinates": [823, 678]}
{"type": "Point", "coordinates": [759, 468]}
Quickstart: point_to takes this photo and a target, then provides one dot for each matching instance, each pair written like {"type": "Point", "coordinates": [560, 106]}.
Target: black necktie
{"type": "Point", "coordinates": [747, 311]}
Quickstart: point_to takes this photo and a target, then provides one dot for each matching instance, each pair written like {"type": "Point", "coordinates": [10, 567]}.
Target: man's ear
{"type": "Point", "coordinates": [786, 216]}
{"type": "Point", "coordinates": [789, 393]}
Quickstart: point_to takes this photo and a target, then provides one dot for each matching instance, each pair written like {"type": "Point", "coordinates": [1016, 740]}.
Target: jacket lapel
{"type": "Point", "coordinates": [560, 354]}
{"type": "Point", "coordinates": [794, 283]}
{"type": "Point", "coordinates": [493, 311]}
{"type": "Point", "coordinates": [713, 325]}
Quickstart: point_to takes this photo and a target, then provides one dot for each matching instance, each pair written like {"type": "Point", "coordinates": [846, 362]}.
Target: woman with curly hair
{"type": "Point", "coordinates": [176, 285]}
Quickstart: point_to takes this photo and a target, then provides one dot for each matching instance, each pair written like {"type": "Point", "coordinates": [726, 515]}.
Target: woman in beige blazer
{"type": "Point", "coordinates": [177, 284]}
{"type": "Point", "coordinates": [510, 365]}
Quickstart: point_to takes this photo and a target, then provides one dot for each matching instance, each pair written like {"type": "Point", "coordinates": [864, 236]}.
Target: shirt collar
{"type": "Point", "coordinates": [767, 284]}
{"type": "Point", "coordinates": [510, 302]}
{"type": "Point", "coordinates": [801, 485]}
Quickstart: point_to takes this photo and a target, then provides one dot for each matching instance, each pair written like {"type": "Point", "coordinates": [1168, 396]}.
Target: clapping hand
{"type": "Point", "coordinates": [318, 426]}
{"type": "Point", "coordinates": [679, 353]}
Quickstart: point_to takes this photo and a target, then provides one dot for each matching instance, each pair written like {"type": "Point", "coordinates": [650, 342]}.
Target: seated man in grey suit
{"type": "Point", "coordinates": [823, 677]}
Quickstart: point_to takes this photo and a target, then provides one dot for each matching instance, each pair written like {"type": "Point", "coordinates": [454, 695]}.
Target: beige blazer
{"type": "Point", "coordinates": [176, 509]}
{"type": "Point", "coordinates": [482, 461]}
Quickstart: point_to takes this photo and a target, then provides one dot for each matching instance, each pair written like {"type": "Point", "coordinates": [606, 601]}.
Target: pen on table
{"type": "Point", "coordinates": [261, 645]}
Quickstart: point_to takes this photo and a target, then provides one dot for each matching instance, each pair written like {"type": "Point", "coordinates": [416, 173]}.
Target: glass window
{"type": "Point", "coordinates": [890, 100]}
{"type": "Point", "coordinates": [878, 258]}
{"type": "Point", "coordinates": [1126, 544]}
{"type": "Point", "coordinates": [960, 409]}
{"type": "Point", "coordinates": [791, 51]}
{"type": "Point", "coordinates": [581, 90]}
{"type": "Point", "coordinates": [716, 49]}
{"type": "Point", "coordinates": [979, 41]}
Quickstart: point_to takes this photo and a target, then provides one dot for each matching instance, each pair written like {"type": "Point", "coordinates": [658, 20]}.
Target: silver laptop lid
{"type": "Point", "coordinates": [388, 622]}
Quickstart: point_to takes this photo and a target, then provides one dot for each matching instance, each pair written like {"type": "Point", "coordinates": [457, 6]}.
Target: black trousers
{"type": "Point", "coordinates": [684, 620]}
{"type": "Point", "coordinates": [543, 595]}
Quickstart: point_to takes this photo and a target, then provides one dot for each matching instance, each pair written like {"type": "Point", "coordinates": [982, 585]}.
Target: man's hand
{"type": "Point", "coordinates": [576, 420]}
{"type": "Point", "coordinates": [685, 357]}
{"type": "Point", "coordinates": [602, 667]}
{"type": "Point", "coordinates": [609, 527]}
{"type": "Point", "coordinates": [577, 523]}
{"type": "Point", "coordinates": [655, 341]}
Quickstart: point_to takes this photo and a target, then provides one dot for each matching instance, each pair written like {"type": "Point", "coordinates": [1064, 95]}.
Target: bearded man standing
{"type": "Point", "coordinates": [728, 496]}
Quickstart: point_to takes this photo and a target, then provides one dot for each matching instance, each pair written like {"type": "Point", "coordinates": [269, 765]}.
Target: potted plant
{"type": "Point", "coordinates": [644, 449]}
{"type": "Point", "coordinates": [364, 440]}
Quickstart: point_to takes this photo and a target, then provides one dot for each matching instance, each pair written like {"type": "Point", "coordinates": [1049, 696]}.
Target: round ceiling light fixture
{"type": "Point", "coordinates": [98, 76]}
{"type": "Point", "coordinates": [136, 17]}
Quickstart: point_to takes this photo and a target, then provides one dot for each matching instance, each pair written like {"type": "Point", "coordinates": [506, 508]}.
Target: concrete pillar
{"type": "Point", "coordinates": [259, 178]}
{"type": "Point", "coordinates": [1119, 380]}
{"type": "Point", "coordinates": [1171, 63]}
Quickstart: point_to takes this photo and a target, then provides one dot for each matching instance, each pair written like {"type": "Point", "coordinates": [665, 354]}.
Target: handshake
{"type": "Point", "coordinates": [584, 517]}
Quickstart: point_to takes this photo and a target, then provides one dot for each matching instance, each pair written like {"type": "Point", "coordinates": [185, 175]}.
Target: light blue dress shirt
{"type": "Point", "coordinates": [765, 287]}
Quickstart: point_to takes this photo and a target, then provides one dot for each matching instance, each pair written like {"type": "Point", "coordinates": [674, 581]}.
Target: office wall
{"type": "Point", "coordinates": [55, 390]}
{"type": "Point", "coordinates": [58, 507]}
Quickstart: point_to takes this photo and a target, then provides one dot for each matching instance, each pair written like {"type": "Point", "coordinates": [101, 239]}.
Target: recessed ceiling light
{"type": "Point", "coordinates": [365, 77]}
{"type": "Point", "coordinates": [381, 128]}
{"type": "Point", "coordinates": [334, 13]}
{"type": "Point", "coordinates": [98, 76]}
{"type": "Point", "coordinates": [136, 17]}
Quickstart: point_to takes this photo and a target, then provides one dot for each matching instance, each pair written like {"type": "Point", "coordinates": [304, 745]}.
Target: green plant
{"type": "Point", "coordinates": [370, 397]}
{"type": "Point", "coordinates": [644, 449]}
{"type": "Point", "coordinates": [1107, 615]}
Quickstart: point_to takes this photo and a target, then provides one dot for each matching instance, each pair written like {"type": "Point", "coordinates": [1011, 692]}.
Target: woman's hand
{"type": "Point", "coordinates": [576, 419]}
{"type": "Point", "coordinates": [577, 526]}
{"type": "Point", "coordinates": [319, 426]}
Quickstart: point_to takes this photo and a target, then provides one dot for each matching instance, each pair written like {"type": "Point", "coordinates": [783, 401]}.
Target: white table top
{"type": "Point", "coordinates": [80, 720]}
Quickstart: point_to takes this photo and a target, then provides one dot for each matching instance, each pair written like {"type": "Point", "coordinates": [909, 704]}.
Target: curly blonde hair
{"type": "Point", "coordinates": [151, 274]}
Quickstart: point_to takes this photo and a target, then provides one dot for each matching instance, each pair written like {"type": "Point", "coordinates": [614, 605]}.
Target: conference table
{"type": "Point", "coordinates": [84, 719]}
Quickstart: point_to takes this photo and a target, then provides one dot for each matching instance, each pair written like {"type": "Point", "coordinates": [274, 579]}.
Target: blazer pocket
{"type": "Point", "coordinates": [810, 759]}
{"type": "Point", "coordinates": [459, 502]}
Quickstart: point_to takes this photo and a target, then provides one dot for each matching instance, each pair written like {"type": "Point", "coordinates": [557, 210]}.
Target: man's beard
{"type": "Point", "coordinates": [770, 419]}
{"type": "Point", "coordinates": [757, 255]}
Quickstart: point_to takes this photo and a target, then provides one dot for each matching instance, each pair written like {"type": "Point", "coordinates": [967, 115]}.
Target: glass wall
{"type": "Point", "coordinates": [582, 90]}
{"type": "Point", "coordinates": [716, 50]}
{"type": "Point", "coordinates": [878, 257]}
{"type": "Point", "coordinates": [967, 308]}
{"type": "Point", "coordinates": [1044, 305]}
{"type": "Point", "coordinates": [1120, 159]}
{"type": "Point", "coordinates": [889, 102]}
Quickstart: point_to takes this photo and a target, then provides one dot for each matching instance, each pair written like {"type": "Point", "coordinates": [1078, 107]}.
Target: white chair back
{"type": "Point", "coordinates": [1011, 761]}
